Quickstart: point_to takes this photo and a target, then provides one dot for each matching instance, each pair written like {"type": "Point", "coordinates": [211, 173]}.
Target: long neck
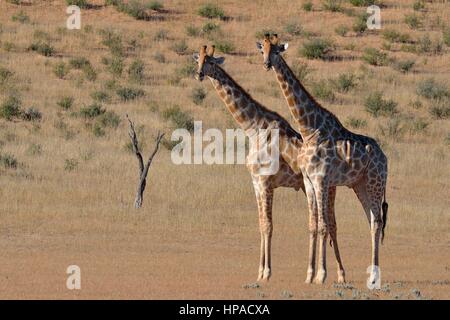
{"type": "Point", "coordinates": [307, 112]}
{"type": "Point", "coordinates": [242, 107]}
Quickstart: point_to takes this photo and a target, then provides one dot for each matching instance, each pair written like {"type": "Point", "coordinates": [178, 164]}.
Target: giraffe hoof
{"type": "Point", "coordinates": [309, 276]}
{"type": "Point", "coordinates": [308, 280]}
{"type": "Point", "coordinates": [320, 277]}
{"type": "Point", "coordinates": [341, 277]}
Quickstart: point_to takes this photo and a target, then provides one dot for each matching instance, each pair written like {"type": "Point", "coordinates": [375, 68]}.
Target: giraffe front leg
{"type": "Point", "coordinates": [333, 234]}
{"type": "Point", "coordinates": [312, 208]}
{"type": "Point", "coordinates": [266, 230]}
{"type": "Point", "coordinates": [321, 191]}
{"type": "Point", "coordinates": [260, 214]}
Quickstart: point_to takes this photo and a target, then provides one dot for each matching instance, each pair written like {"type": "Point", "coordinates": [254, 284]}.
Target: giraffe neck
{"type": "Point", "coordinates": [245, 111]}
{"type": "Point", "coordinates": [307, 112]}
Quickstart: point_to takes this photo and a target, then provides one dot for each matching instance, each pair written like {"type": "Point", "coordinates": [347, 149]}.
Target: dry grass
{"type": "Point", "coordinates": [197, 234]}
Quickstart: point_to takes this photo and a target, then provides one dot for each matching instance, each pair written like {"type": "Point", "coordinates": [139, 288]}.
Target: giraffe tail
{"type": "Point", "coordinates": [384, 208]}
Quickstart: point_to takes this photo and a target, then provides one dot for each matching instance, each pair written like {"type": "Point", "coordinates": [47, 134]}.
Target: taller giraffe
{"type": "Point", "coordinates": [331, 156]}
{"type": "Point", "coordinates": [250, 115]}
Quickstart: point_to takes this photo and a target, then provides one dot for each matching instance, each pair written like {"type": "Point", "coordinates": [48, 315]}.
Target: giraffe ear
{"type": "Point", "coordinates": [259, 46]}
{"type": "Point", "coordinates": [283, 47]}
{"type": "Point", "coordinates": [195, 56]}
{"type": "Point", "coordinates": [219, 60]}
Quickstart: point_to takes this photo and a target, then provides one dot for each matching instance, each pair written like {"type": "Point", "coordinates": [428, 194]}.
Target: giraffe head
{"type": "Point", "coordinates": [206, 62]}
{"type": "Point", "coordinates": [270, 49]}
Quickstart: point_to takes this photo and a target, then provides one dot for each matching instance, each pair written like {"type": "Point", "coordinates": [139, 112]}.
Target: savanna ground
{"type": "Point", "coordinates": [68, 178]}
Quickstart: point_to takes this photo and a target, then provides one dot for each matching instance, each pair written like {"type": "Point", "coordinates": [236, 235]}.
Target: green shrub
{"type": "Point", "coordinates": [224, 46]}
{"type": "Point", "coordinates": [70, 164]}
{"type": "Point", "coordinates": [345, 82]}
{"type": "Point", "coordinates": [8, 161]}
{"type": "Point", "coordinates": [34, 149]}
{"type": "Point", "coordinates": [404, 65]}
{"type": "Point", "coordinates": [5, 75]}
{"type": "Point", "coordinates": [61, 70]}
{"type": "Point", "coordinates": [356, 123]}
{"type": "Point", "coordinates": [98, 130]}
{"type": "Point", "coordinates": [161, 35]}
{"type": "Point", "coordinates": [32, 114]}
{"type": "Point", "coordinates": [307, 6]}
{"type": "Point", "coordinates": [364, 3]}
{"type": "Point", "coordinates": [446, 36]}
{"type": "Point", "coordinates": [188, 70]}
{"type": "Point", "coordinates": [341, 30]}
{"type": "Point", "coordinates": [66, 103]}
{"type": "Point", "coordinates": [113, 42]}
{"type": "Point", "coordinates": [395, 36]}
{"type": "Point", "coordinates": [192, 31]}
{"type": "Point", "coordinates": [198, 95]}
{"type": "Point", "coordinates": [301, 70]}
{"type": "Point", "coordinates": [316, 48]}
{"type": "Point", "coordinates": [109, 119]}
{"type": "Point", "coordinates": [79, 62]}
{"type": "Point", "coordinates": [360, 23]}
{"type": "Point", "coordinates": [179, 118]}
{"type": "Point", "coordinates": [293, 28]}
{"type": "Point", "coordinates": [426, 45]}
{"type": "Point", "coordinates": [83, 4]}
{"type": "Point", "coordinates": [128, 94]}
{"type": "Point", "coordinates": [332, 5]}
{"type": "Point", "coordinates": [92, 111]}
{"type": "Point", "coordinates": [322, 90]}
{"type": "Point", "coordinates": [413, 21]}
{"type": "Point", "coordinates": [440, 109]}
{"type": "Point", "coordinates": [418, 126]}
{"type": "Point", "coordinates": [90, 73]}
{"type": "Point", "coordinates": [375, 57]}
{"type": "Point", "coordinates": [100, 96]}
{"type": "Point", "coordinates": [393, 129]}
{"type": "Point", "coordinates": [211, 11]}
{"type": "Point", "coordinates": [136, 71]}
{"type": "Point", "coordinates": [115, 66]}
{"type": "Point", "coordinates": [210, 27]}
{"type": "Point", "coordinates": [11, 108]}
{"type": "Point", "coordinates": [430, 89]}
{"type": "Point", "coordinates": [135, 8]}
{"type": "Point", "coordinates": [180, 47]}
{"type": "Point", "coordinates": [20, 17]}
{"type": "Point", "coordinates": [419, 5]}
{"type": "Point", "coordinates": [42, 48]}
{"type": "Point", "coordinates": [377, 106]}
{"type": "Point", "coordinates": [155, 5]}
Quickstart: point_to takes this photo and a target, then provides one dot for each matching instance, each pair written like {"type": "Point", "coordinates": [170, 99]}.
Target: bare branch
{"type": "Point", "coordinates": [143, 170]}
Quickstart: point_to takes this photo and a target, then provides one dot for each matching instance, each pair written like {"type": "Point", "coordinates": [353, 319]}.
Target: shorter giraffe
{"type": "Point", "coordinates": [252, 116]}
{"type": "Point", "coordinates": [331, 156]}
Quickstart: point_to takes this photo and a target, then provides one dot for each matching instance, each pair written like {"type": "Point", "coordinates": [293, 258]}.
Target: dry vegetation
{"type": "Point", "coordinates": [67, 173]}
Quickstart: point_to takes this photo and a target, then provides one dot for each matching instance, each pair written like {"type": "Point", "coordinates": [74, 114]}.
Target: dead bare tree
{"type": "Point", "coordinates": [143, 170]}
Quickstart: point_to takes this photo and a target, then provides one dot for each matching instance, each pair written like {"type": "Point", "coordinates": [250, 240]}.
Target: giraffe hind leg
{"type": "Point", "coordinates": [333, 234]}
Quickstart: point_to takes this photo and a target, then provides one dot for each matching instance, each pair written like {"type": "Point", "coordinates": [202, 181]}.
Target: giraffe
{"type": "Point", "coordinates": [331, 156]}
{"type": "Point", "coordinates": [251, 115]}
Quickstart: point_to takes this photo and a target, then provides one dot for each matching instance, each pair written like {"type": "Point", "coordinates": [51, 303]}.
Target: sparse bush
{"type": "Point", "coordinates": [98, 130]}
{"type": "Point", "coordinates": [89, 72]}
{"type": "Point", "coordinates": [20, 17]}
{"type": "Point", "coordinates": [34, 149]}
{"type": "Point", "coordinates": [393, 129]}
{"type": "Point", "coordinates": [100, 96]}
{"type": "Point", "coordinates": [307, 6]}
{"type": "Point", "coordinates": [70, 164]}
{"type": "Point", "coordinates": [113, 42]}
{"type": "Point", "coordinates": [128, 94]}
{"type": "Point", "coordinates": [136, 71]}
{"type": "Point", "coordinates": [419, 5]}
{"type": "Point", "coordinates": [198, 95]}
{"type": "Point", "coordinates": [356, 123]}
{"type": "Point", "coordinates": [301, 70]}
{"type": "Point", "coordinates": [413, 21]}
{"type": "Point", "coordinates": [159, 57]}
{"type": "Point", "coordinates": [332, 5]}
{"type": "Point", "coordinates": [92, 111]}
{"type": "Point", "coordinates": [426, 45]}
{"type": "Point", "coordinates": [43, 48]}
{"type": "Point", "coordinates": [8, 46]}
{"type": "Point", "coordinates": [440, 109]}
{"type": "Point", "coordinates": [211, 11]}
{"type": "Point", "coordinates": [83, 4]}
{"type": "Point", "coordinates": [446, 36]}
{"type": "Point", "coordinates": [61, 70]}
{"type": "Point", "coordinates": [155, 5]}
{"type": "Point", "coordinates": [316, 48]}
{"type": "Point", "coordinates": [293, 28]}
{"type": "Point", "coordinates": [180, 47]}
{"type": "Point", "coordinates": [188, 70]}
{"type": "Point", "coordinates": [375, 57]}
{"type": "Point", "coordinates": [32, 114]}
{"type": "Point", "coordinates": [79, 62]}
{"type": "Point", "coordinates": [11, 108]}
{"type": "Point", "coordinates": [377, 106]}
{"type": "Point", "coordinates": [430, 89]}
{"type": "Point", "coordinates": [404, 65]}
{"type": "Point", "coordinates": [161, 35]}
{"type": "Point", "coordinates": [360, 23]}
{"type": "Point", "coordinates": [210, 27]}
{"type": "Point", "coordinates": [8, 161]}
{"type": "Point", "coordinates": [179, 118]}
{"type": "Point", "coordinates": [322, 90]}
{"type": "Point", "coordinates": [115, 66]}
{"type": "Point", "coordinates": [5, 75]}
{"type": "Point", "coordinates": [395, 36]}
{"type": "Point", "coordinates": [66, 103]}
{"type": "Point", "coordinates": [192, 31]}
{"type": "Point", "coordinates": [224, 46]}
{"type": "Point", "coordinates": [364, 3]}
{"type": "Point", "coordinates": [341, 30]}
{"type": "Point", "coordinates": [345, 82]}
{"type": "Point", "coordinates": [109, 119]}
{"type": "Point", "coordinates": [135, 8]}
{"type": "Point", "coordinates": [418, 126]}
